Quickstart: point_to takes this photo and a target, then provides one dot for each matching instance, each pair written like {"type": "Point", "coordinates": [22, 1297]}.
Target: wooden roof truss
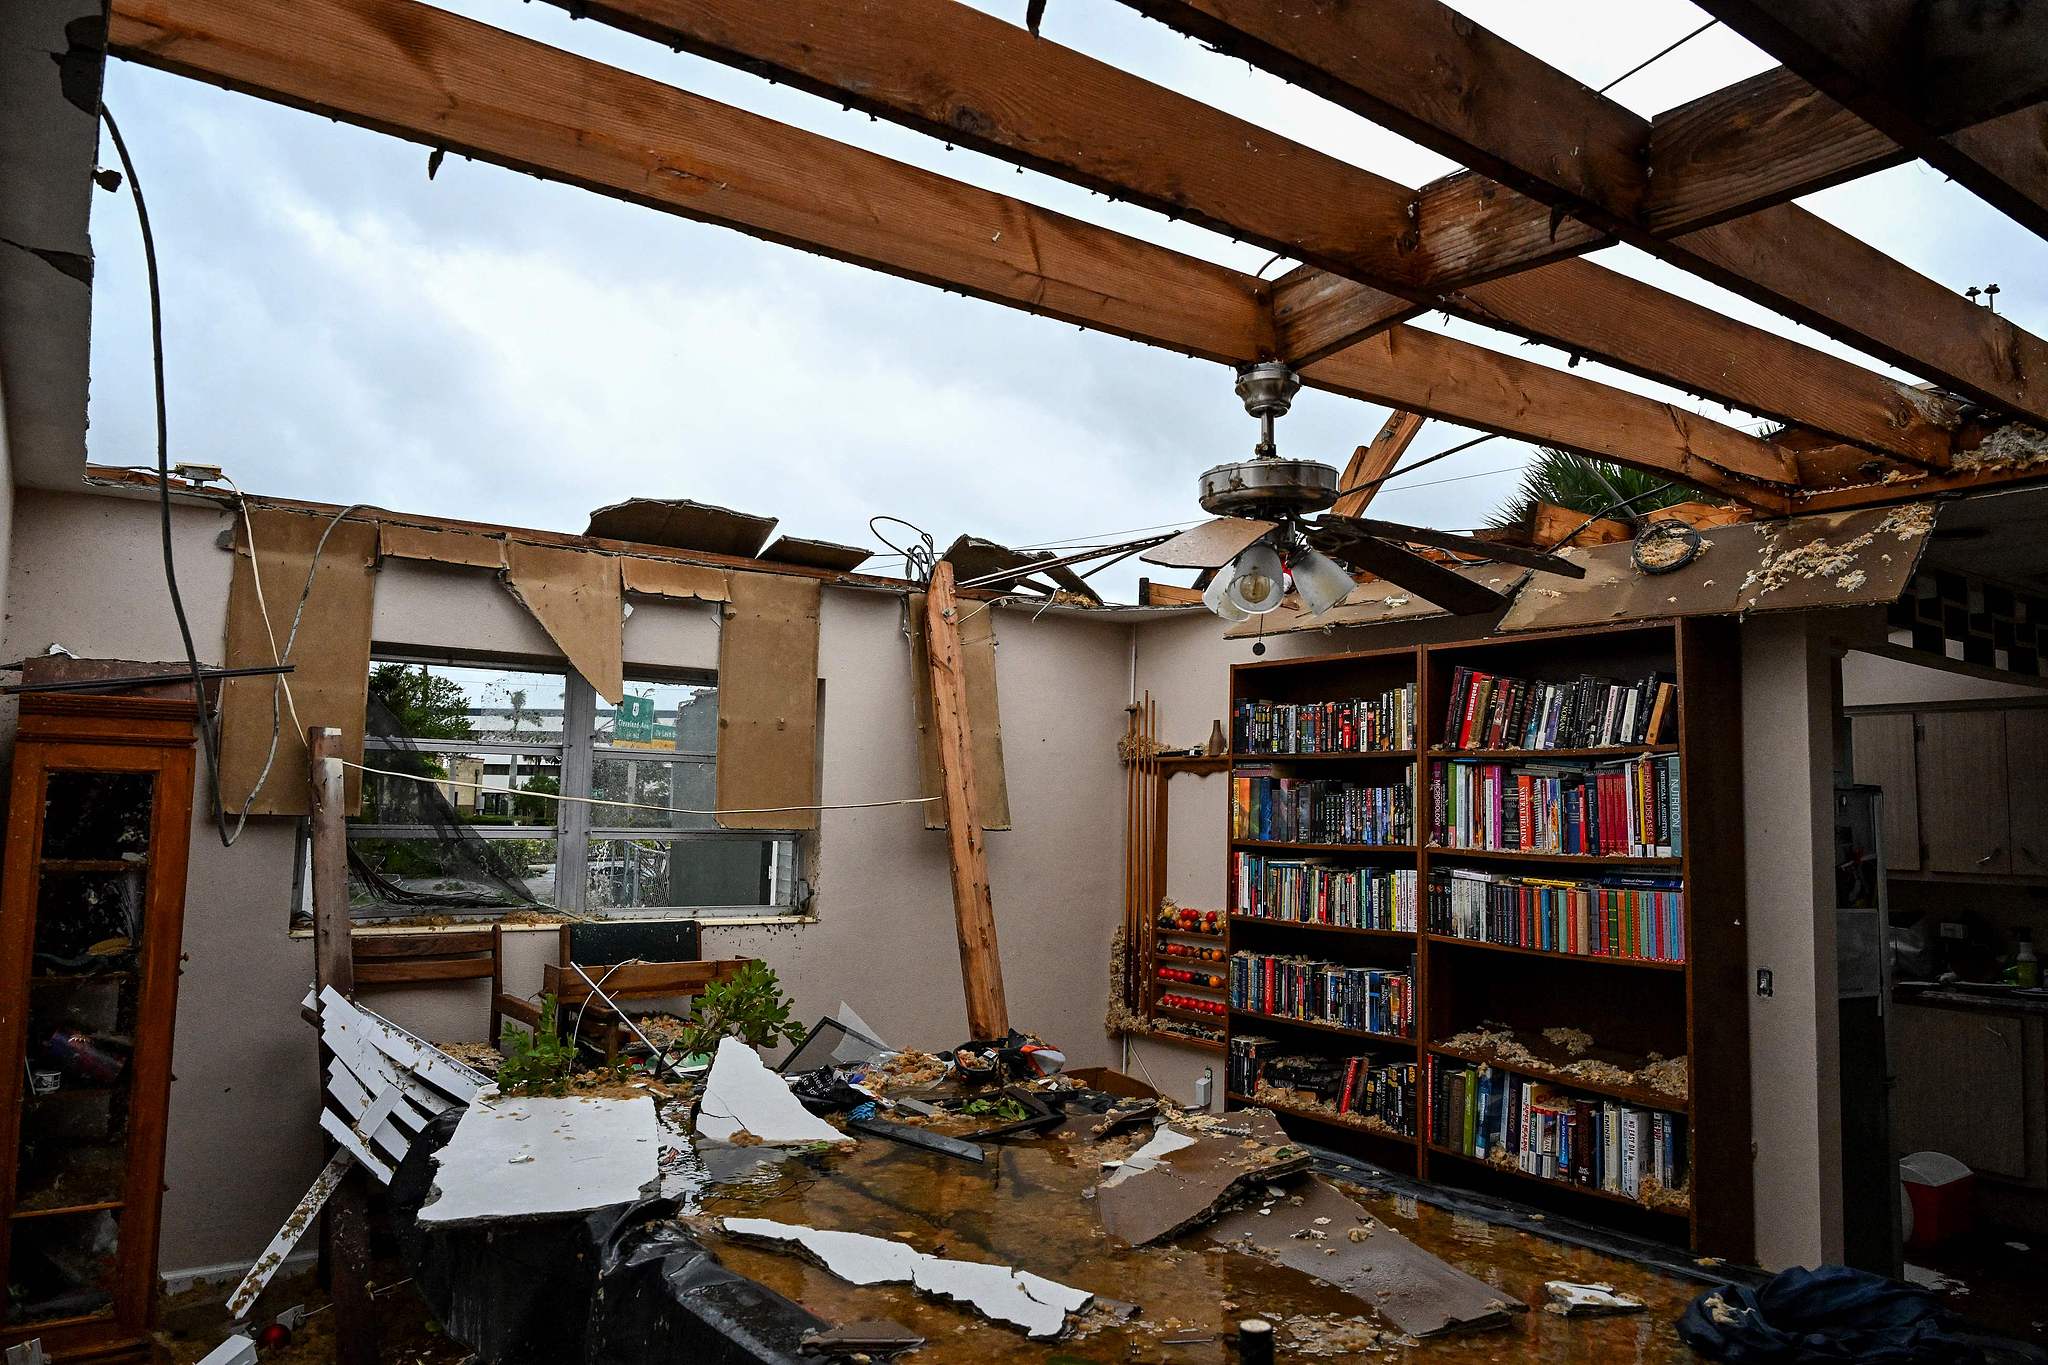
{"type": "Point", "coordinates": [1556, 170]}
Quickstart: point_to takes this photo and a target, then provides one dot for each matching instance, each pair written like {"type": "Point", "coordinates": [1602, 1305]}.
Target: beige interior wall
{"type": "Point", "coordinates": [1877, 680]}
{"type": "Point", "coordinates": [242, 1142]}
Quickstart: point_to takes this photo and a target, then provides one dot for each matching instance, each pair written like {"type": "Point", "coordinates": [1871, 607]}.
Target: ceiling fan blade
{"type": "Point", "coordinates": [1450, 540]}
{"type": "Point", "coordinates": [1210, 545]}
{"type": "Point", "coordinates": [1427, 579]}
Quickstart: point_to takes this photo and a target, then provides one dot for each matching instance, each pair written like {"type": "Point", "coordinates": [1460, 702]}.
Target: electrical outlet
{"type": "Point", "coordinates": [1763, 982]}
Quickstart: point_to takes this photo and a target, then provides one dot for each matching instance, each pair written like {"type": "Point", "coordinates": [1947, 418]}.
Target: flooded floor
{"type": "Point", "coordinates": [1026, 1208]}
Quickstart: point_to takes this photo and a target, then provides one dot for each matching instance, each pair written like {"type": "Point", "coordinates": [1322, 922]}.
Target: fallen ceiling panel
{"type": "Point", "coordinates": [530, 1157]}
{"type": "Point", "coordinates": [973, 558]}
{"type": "Point", "coordinates": [816, 554]}
{"type": "Point", "coordinates": [682, 525]}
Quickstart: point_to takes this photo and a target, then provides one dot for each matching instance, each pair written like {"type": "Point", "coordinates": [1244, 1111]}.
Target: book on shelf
{"type": "Point", "coordinates": [1492, 711]}
{"type": "Point", "coordinates": [1361, 1086]}
{"type": "Point", "coordinates": [1631, 807]}
{"type": "Point", "coordinates": [1350, 726]}
{"type": "Point", "coordinates": [1635, 917]}
{"type": "Point", "coordinates": [1312, 990]}
{"type": "Point", "coordinates": [1314, 811]}
{"type": "Point", "coordinates": [1308, 891]}
{"type": "Point", "coordinates": [1554, 1133]}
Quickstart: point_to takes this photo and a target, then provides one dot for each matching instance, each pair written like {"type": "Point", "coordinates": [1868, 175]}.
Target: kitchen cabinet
{"type": "Point", "coordinates": [91, 911]}
{"type": "Point", "coordinates": [1962, 780]}
{"type": "Point", "coordinates": [1884, 749]}
{"type": "Point", "coordinates": [2026, 764]}
{"type": "Point", "coordinates": [1971, 1084]}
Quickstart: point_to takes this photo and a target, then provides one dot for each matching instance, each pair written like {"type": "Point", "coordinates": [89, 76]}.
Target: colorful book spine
{"type": "Point", "coordinates": [1640, 918]}
{"type": "Point", "coordinates": [1350, 726]}
{"type": "Point", "coordinates": [1367, 999]}
{"type": "Point", "coordinates": [1491, 711]}
{"type": "Point", "coordinates": [1308, 892]}
{"type": "Point", "coordinates": [1269, 809]}
{"type": "Point", "coordinates": [1554, 1133]}
{"type": "Point", "coordinates": [1629, 808]}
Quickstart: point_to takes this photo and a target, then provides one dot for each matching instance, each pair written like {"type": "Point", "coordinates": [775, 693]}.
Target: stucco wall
{"type": "Point", "coordinates": [242, 1144]}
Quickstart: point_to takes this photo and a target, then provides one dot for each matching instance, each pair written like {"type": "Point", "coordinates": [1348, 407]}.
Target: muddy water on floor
{"type": "Point", "coordinates": [1026, 1208]}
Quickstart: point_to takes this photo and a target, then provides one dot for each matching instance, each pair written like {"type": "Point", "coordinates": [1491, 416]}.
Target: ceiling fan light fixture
{"type": "Point", "coordinates": [1257, 580]}
{"type": "Point", "coordinates": [1322, 582]}
{"type": "Point", "coordinates": [1214, 599]}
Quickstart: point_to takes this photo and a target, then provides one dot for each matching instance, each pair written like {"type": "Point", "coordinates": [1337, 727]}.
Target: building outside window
{"type": "Point", "coordinates": [470, 832]}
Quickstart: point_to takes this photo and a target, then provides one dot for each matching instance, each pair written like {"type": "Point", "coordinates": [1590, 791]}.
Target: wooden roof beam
{"type": "Point", "coordinates": [414, 71]}
{"type": "Point", "coordinates": [1427, 72]}
{"type": "Point", "coordinates": [954, 72]}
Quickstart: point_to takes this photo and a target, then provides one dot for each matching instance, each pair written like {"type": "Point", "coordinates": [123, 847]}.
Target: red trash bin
{"type": "Point", "coordinates": [1942, 1193]}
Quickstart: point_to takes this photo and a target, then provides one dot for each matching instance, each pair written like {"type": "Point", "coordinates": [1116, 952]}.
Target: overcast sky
{"type": "Point", "coordinates": [495, 347]}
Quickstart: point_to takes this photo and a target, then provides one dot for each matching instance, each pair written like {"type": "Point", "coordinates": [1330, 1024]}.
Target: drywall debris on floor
{"type": "Point", "coordinates": [532, 1157]}
{"type": "Point", "coordinates": [1038, 1305]}
{"type": "Point", "coordinates": [1311, 1226]}
{"type": "Point", "coordinates": [742, 1095]}
{"type": "Point", "coordinates": [867, 1338]}
{"type": "Point", "coordinates": [1570, 1300]}
{"type": "Point", "coordinates": [1181, 1183]}
{"type": "Point", "coordinates": [236, 1350]}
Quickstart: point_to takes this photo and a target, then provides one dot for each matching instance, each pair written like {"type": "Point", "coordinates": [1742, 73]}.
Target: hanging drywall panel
{"type": "Point", "coordinates": [574, 594]}
{"type": "Point", "coordinates": [816, 554]}
{"type": "Point", "coordinates": [984, 715]}
{"type": "Point", "coordinates": [440, 546]}
{"type": "Point", "coordinates": [683, 524]}
{"type": "Point", "coordinates": [768, 702]}
{"type": "Point", "coordinates": [666, 578]}
{"type": "Point", "coordinates": [330, 655]}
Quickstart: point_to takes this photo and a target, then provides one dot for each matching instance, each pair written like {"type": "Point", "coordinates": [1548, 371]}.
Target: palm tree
{"type": "Point", "coordinates": [1564, 479]}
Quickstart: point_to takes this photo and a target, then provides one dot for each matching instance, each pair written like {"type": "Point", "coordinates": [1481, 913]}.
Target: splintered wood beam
{"type": "Point", "coordinates": [1371, 463]}
{"type": "Point", "coordinates": [1914, 68]}
{"type": "Point", "coordinates": [1433, 75]}
{"type": "Point", "coordinates": [974, 79]}
{"type": "Point", "coordinates": [418, 72]}
{"type": "Point", "coordinates": [974, 915]}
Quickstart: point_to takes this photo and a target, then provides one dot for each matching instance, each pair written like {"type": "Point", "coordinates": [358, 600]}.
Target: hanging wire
{"type": "Point", "coordinates": [920, 558]}
{"type": "Point", "coordinates": [1658, 56]}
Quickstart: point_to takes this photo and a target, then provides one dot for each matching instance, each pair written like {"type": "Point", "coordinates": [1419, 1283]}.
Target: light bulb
{"type": "Point", "coordinates": [1256, 586]}
{"type": "Point", "coordinates": [1322, 582]}
{"type": "Point", "coordinates": [1214, 599]}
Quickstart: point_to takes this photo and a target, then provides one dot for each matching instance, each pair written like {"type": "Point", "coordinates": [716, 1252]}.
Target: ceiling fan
{"type": "Point", "coordinates": [1266, 533]}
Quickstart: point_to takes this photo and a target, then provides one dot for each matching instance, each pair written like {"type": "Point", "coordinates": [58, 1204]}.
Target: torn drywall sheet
{"type": "Point", "coordinates": [1211, 545]}
{"type": "Point", "coordinates": [330, 656]}
{"type": "Point", "coordinates": [1187, 1183]}
{"type": "Point", "coordinates": [682, 525]}
{"type": "Point", "coordinates": [1038, 1305]}
{"type": "Point", "coordinates": [816, 554]}
{"type": "Point", "coordinates": [1313, 1227]}
{"type": "Point", "coordinates": [533, 1157]}
{"type": "Point", "coordinates": [395, 541]}
{"type": "Point", "coordinates": [1569, 1300]}
{"type": "Point", "coordinates": [1165, 1142]}
{"type": "Point", "coordinates": [984, 715]}
{"type": "Point", "coordinates": [574, 594]}
{"type": "Point", "coordinates": [666, 578]}
{"type": "Point", "coordinates": [768, 703]}
{"type": "Point", "coordinates": [741, 1095]}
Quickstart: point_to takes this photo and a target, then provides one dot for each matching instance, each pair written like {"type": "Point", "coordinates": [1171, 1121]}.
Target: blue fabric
{"type": "Point", "coordinates": [1826, 1315]}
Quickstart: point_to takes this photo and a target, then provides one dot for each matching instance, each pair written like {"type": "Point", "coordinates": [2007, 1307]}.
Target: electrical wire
{"type": "Point", "coordinates": [1658, 56]}
{"type": "Point", "coordinates": [209, 736]}
{"type": "Point", "coordinates": [920, 557]}
{"type": "Point", "coordinates": [1426, 460]}
{"type": "Point", "coordinates": [638, 805]}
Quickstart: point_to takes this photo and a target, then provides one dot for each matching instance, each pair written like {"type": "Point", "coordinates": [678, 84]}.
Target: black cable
{"type": "Point", "coordinates": [209, 737]}
{"type": "Point", "coordinates": [1411, 468]}
{"type": "Point", "coordinates": [1658, 55]}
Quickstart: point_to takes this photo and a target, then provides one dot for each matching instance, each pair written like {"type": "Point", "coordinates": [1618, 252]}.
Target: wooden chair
{"type": "Point", "coordinates": [623, 982]}
{"type": "Point", "coordinates": [599, 947]}
{"type": "Point", "coordinates": [418, 959]}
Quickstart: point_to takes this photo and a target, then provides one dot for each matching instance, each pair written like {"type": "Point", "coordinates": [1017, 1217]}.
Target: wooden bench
{"type": "Point", "coordinates": [623, 982]}
{"type": "Point", "coordinates": [419, 959]}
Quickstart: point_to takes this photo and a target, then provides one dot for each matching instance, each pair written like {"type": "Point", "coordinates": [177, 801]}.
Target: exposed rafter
{"type": "Point", "coordinates": [418, 72]}
{"type": "Point", "coordinates": [1372, 463]}
{"type": "Point", "coordinates": [1430, 73]}
{"type": "Point", "coordinates": [955, 72]}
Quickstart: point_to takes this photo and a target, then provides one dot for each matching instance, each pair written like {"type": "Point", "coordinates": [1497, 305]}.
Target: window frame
{"type": "Point", "coordinates": [574, 828]}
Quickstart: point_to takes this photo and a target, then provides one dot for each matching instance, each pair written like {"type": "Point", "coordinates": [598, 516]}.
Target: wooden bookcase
{"type": "Point", "coordinates": [90, 930]}
{"type": "Point", "coordinates": [1697, 1008]}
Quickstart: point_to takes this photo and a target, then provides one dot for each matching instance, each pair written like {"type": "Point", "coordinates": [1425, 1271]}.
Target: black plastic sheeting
{"type": "Point", "coordinates": [625, 1285]}
{"type": "Point", "coordinates": [1831, 1315]}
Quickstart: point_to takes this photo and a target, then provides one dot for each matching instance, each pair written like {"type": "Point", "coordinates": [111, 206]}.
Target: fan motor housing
{"type": "Point", "coordinates": [1268, 487]}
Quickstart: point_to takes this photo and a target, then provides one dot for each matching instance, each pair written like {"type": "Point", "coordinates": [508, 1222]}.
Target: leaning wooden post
{"type": "Point", "coordinates": [345, 1225]}
{"type": "Point", "coordinates": [974, 912]}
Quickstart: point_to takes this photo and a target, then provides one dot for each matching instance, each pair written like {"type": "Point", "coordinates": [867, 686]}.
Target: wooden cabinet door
{"type": "Point", "coordinates": [2026, 763]}
{"type": "Point", "coordinates": [1883, 747]}
{"type": "Point", "coordinates": [1962, 1087]}
{"type": "Point", "coordinates": [1962, 782]}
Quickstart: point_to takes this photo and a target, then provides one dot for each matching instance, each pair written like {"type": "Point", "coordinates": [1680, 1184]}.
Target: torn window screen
{"type": "Point", "coordinates": [480, 838]}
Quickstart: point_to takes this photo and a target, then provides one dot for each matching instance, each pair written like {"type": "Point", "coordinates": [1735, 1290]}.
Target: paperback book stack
{"type": "Point", "coordinates": [1488, 711]}
{"type": "Point", "coordinates": [1360, 725]}
{"type": "Point", "coordinates": [1628, 808]}
{"type": "Point", "coordinates": [1544, 1130]}
{"type": "Point", "coordinates": [1289, 810]}
{"type": "Point", "coordinates": [1618, 916]}
{"type": "Point", "coordinates": [1362, 1086]}
{"type": "Point", "coordinates": [1246, 1063]}
{"type": "Point", "coordinates": [1372, 999]}
{"type": "Point", "coordinates": [1306, 892]}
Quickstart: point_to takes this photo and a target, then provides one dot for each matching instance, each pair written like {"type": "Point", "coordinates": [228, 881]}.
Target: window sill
{"type": "Point", "coordinates": [708, 921]}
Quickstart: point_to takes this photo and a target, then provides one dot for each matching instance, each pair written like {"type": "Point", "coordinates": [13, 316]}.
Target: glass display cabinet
{"type": "Point", "coordinates": [91, 906]}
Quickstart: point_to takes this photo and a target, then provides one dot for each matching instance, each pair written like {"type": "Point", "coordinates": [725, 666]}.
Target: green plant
{"type": "Point", "coordinates": [539, 1060]}
{"type": "Point", "coordinates": [749, 1005]}
{"type": "Point", "coordinates": [1563, 479]}
{"type": "Point", "coordinates": [1006, 1109]}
